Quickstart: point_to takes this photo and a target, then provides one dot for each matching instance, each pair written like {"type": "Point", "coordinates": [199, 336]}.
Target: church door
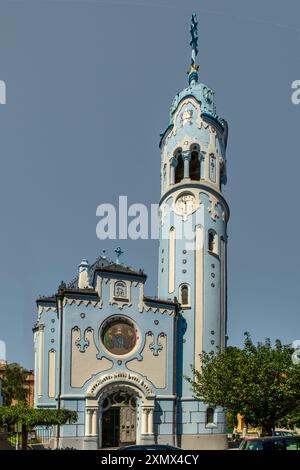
{"type": "Point", "coordinates": [119, 420]}
{"type": "Point", "coordinates": [127, 425]}
{"type": "Point", "coordinates": [111, 427]}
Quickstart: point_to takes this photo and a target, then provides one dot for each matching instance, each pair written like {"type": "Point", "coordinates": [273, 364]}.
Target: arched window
{"type": "Point", "coordinates": [179, 169]}
{"type": "Point", "coordinates": [212, 167]}
{"type": "Point", "coordinates": [212, 242]}
{"type": "Point", "coordinates": [195, 166]}
{"type": "Point", "coordinates": [164, 176]}
{"type": "Point", "coordinates": [210, 415]}
{"type": "Point", "coordinates": [222, 172]}
{"type": "Point", "coordinates": [120, 290]}
{"type": "Point", "coordinates": [202, 166]}
{"type": "Point", "coordinates": [184, 295]}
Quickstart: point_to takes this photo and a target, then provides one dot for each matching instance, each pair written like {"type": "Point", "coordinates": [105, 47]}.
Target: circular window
{"type": "Point", "coordinates": [119, 337]}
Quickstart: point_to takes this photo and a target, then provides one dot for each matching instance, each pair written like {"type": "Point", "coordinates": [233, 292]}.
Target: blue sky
{"type": "Point", "coordinates": [89, 86]}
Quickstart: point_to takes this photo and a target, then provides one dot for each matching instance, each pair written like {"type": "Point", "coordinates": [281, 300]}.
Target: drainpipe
{"type": "Point", "coordinates": [59, 300]}
{"type": "Point", "coordinates": [175, 341]}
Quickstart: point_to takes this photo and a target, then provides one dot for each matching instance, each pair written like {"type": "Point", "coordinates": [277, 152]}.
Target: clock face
{"type": "Point", "coordinates": [185, 204]}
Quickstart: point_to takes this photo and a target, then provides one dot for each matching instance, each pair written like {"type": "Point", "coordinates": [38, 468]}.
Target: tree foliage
{"type": "Point", "coordinates": [31, 417]}
{"type": "Point", "coordinates": [14, 384]}
{"type": "Point", "coordinates": [259, 382]}
{"type": "Point", "coordinates": [291, 420]}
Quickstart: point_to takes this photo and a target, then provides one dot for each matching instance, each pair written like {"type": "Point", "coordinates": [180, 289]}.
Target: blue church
{"type": "Point", "coordinates": [118, 357]}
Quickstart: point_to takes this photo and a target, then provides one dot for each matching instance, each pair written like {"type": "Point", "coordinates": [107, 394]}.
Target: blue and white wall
{"type": "Point", "coordinates": [74, 369]}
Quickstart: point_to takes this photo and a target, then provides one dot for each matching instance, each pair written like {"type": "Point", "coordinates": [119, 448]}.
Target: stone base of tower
{"type": "Point", "coordinates": [147, 439]}
{"type": "Point", "coordinates": [203, 441]}
{"type": "Point", "coordinates": [166, 439]}
{"type": "Point", "coordinates": [70, 443]}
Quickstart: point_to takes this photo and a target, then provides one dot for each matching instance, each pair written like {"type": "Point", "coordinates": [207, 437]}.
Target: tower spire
{"type": "Point", "coordinates": [193, 72]}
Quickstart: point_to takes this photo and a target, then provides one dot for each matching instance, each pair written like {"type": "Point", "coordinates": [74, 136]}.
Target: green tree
{"type": "Point", "coordinates": [31, 417]}
{"type": "Point", "coordinates": [292, 420]}
{"type": "Point", "coordinates": [259, 382]}
{"type": "Point", "coordinates": [231, 421]}
{"type": "Point", "coordinates": [14, 384]}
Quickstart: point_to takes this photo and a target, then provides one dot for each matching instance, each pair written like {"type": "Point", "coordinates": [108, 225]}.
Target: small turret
{"type": "Point", "coordinates": [83, 274]}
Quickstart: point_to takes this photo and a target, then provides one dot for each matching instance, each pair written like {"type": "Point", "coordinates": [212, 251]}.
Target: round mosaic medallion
{"type": "Point", "coordinates": [119, 337]}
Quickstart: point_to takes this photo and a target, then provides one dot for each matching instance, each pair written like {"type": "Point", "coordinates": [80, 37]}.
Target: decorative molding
{"type": "Point", "coordinates": [165, 209]}
{"type": "Point", "coordinates": [180, 120]}
{"type": "Point", "coordinates": [199, 282]}
{"type": "Point", "coordinates": [99, 286]}
{"type": "Point", "coordinates": [152, 365]}
{"type": "Point", "coordinates": [156, 347]}
{"type": "Point", "coordinates": [82, 343]}
{"type": "Point", "coordinates": [207, 188]}
{"type": "Point", "coordinates": [124, 377]}
{"type": "Point", "coordinates": [43, 308]}
{"type": "Point", "coordinates": [213, 212]}
{"type": "Point", "coordinates": [162, 311]}
{"type": "Point", "coordinates": [186, 117]}
{"type": "Point", "coordinates": [87, 303]}
{"type": "Point", "coordinates": [84, 366]}
{"type": "Point", "coordinates": [180, 207]}
{"type": "Point", "coordinates": [41, 361]}
{"type": "Point", "coordinates": [171, 266]}
{"type": "Point", "coordinates": [141, 297]}
{"type": "Point", "coordinates": [120, 304]}
{"type": "Point", "coordinates": [52, 373]}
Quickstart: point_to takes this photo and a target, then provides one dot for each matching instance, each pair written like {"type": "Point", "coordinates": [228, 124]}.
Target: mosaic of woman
{"type": "Point", "coordinates": [119, 338]}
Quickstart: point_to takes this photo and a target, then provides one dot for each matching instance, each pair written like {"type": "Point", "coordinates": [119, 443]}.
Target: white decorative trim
{"type": "Point", "coordinates": [52, 373]}
{"type": "Point", "coordinates": [120, 303]}
{"type": "Point", "coordinates": [153, 361]}
{"type": "Point", "coordinates": [171, 256]}
{"type": "Point", "coordinates": [198, 296]}
{"type": "Point", "coordinates": [214, 202]}
{"type": "Point", "coordinates": [215, 249]}
{"type": "Point", "coordinates": [126, 378]}
{"type": "Point", "coordinates": [99, 285]}
{"type": "Point", "coordinates": [78, 302]}
{"type": "Point", "coordinates": [198, 121]}
{"type": "Point", "coordinates": [195, 207]}
{"type": "Point", "coordinates": [223, 293]}
{"type": "Point", "coordinates": [162, 311]}
{"type": "Point", "coordinates": [41, 362]}
{"type": "Point", "coordinates": [141, 297]}
{"type": "Point", "coordinates": [147, 421]}
{"type": "Point", "coordinates": [43, 308]}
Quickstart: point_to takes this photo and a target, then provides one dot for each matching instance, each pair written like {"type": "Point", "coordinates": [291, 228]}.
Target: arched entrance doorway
{"type": "Point", "coordinates": [134, 402]}
{"type": "Point", "coordinates": [119, 419]}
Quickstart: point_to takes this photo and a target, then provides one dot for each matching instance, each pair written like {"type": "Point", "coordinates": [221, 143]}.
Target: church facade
{"type": "Point", "coordinates": [118, 357]}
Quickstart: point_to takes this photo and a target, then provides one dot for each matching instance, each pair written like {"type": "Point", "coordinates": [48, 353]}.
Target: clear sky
{"type": "Point", "coordinates": [89, 86]}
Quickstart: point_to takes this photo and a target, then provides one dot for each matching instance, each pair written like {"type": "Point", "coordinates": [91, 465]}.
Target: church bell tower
{"type": "Point", "coordinates": [193, 240]}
